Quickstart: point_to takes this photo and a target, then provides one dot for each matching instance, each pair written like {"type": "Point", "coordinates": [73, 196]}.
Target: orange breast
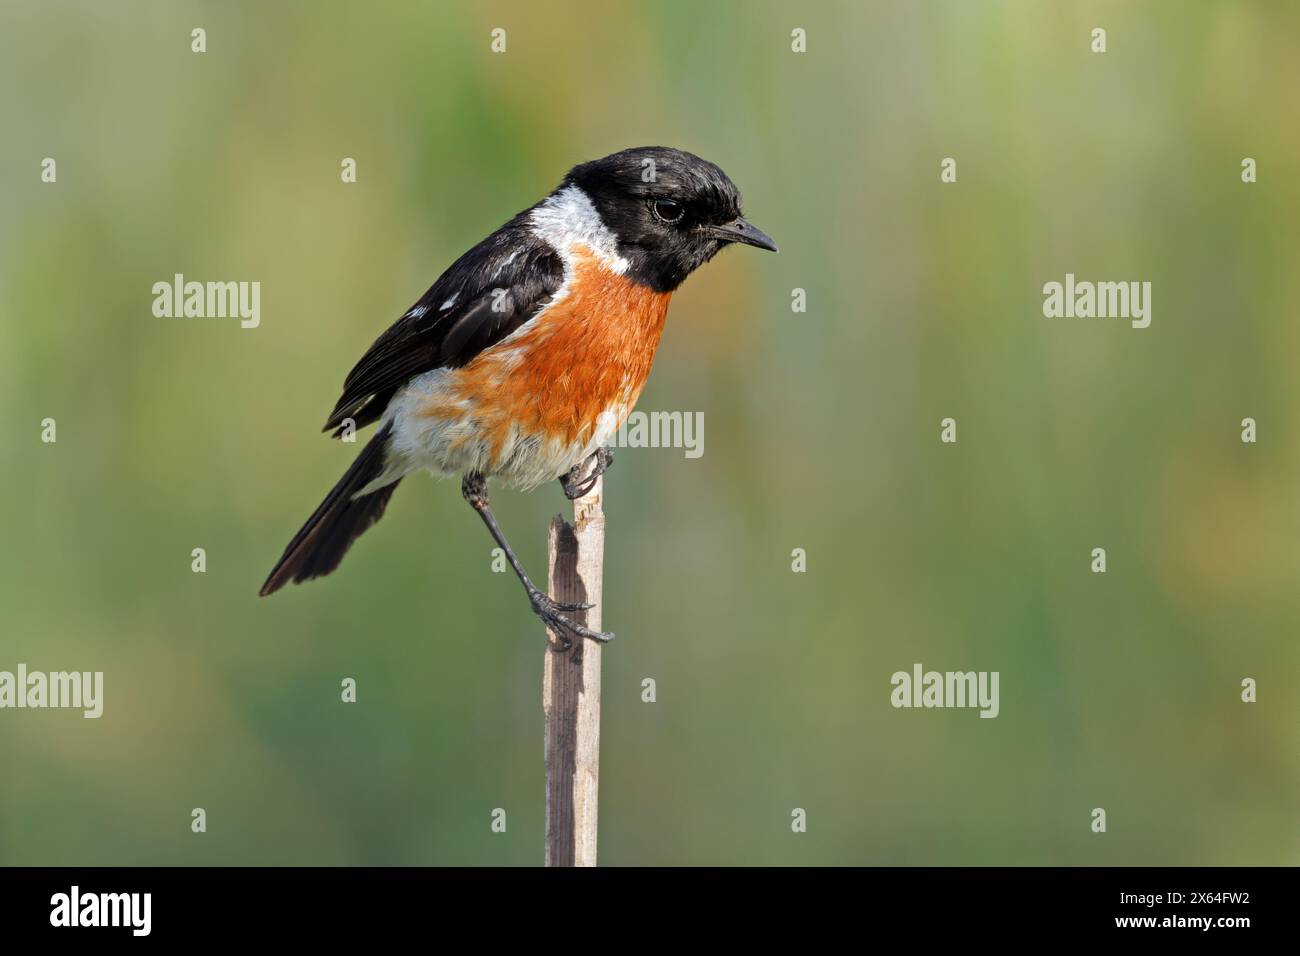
{"type": "Point", "coordinates": [587, 355]}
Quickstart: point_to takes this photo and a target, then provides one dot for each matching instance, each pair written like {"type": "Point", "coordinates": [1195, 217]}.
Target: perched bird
{"type": "Point", "coordinates": [527, 355]}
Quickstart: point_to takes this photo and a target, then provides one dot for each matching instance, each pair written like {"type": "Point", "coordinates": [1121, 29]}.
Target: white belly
{"type": "Point", "coordinates": [457, 444]}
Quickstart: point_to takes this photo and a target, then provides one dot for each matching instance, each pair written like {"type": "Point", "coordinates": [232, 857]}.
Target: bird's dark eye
{"type": "Point", "coordinates": [667, 210]}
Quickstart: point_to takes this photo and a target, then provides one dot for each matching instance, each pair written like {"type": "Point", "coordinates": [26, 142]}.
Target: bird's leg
{"type": "Point", "coordinates": [474, 489]}
{"type": "Point", "coordinates": [574, 484]}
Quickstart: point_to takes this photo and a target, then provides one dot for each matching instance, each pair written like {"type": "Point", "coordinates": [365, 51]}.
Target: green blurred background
{"type": "Point", "coordinates": [822, 432]}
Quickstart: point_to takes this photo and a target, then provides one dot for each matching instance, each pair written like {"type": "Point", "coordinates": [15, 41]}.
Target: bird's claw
{"type": "Point", "coordinates": [560, 606]}
{"type": "Point", "coordinates": [576, 486]}
{"type": "Point", "coordinates": [549, 610]}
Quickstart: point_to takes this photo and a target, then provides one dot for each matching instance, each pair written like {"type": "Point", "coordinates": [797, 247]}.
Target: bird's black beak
{"type": "Point", "coordinates": [742, 230]}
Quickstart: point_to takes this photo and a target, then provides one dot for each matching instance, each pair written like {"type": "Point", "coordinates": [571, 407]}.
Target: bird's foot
{"type": "Point", "coordinates": [552, 614]}
{"type": "Point", "coordinates": [576, 485]}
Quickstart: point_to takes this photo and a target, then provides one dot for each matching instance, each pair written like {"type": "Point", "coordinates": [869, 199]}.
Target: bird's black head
{"type": "Point", "coordinates": [670, 211]}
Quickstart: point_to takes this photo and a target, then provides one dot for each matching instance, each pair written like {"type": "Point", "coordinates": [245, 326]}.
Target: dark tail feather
{"type": "Point", "coordinates": [318, 548]}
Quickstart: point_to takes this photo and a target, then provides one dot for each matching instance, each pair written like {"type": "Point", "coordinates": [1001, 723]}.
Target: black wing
{"type": "Point", "coordinates": [486, 294]}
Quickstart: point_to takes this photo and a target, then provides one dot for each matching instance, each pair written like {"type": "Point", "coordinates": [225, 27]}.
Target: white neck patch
{"type": "Point", "coordinates": [569, 219]}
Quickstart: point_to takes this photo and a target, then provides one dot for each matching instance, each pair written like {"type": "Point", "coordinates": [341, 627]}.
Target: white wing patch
{"type": "Point", "coordinates": [504, 265]}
